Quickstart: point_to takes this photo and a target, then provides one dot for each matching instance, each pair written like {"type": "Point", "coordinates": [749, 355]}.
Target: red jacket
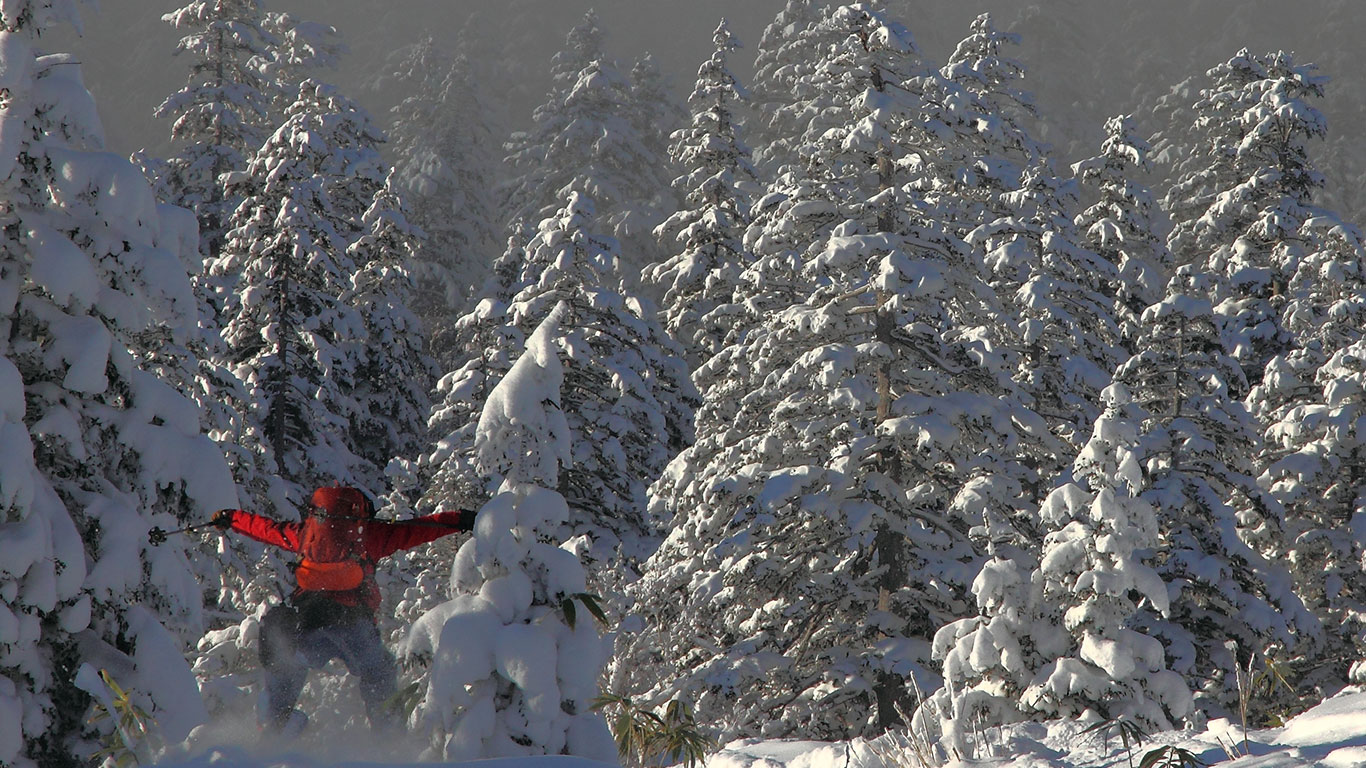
{"type": "Point", "coordinates": [328, 541]}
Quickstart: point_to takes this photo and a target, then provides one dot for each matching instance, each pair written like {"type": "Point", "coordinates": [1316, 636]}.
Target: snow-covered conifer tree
{"type": "Point", "coordinates": [219, 120]}
{"type": "Point", "coordinates": [716, 188]}
{"type": "Point", "coordinates": [298, 49]}
{"type": "Point", "coordinates": [656, 112]}
{"type": "Point", "coordinates": [991, 156]}
{"type": "Point", "coordinates": [443, 151]}
{"type": "Point", "coordinates": [626, 394]}
{"type": "Point", "coordinates": [1249, 236]}
{"type": "Point", "coordinates": [584, 139]}
{"type": "Point", "coordinates": [1094, 573]}
{"type": "Point", "coordinates": [1196, 444]}
{"type": "Point", "coordinates": [1062, 295]}
{"type": "Point", "coordinates": [220, 116]}
{"type": "Point", "coordinates": [1210, 169]}
{"type": "Point", "coordinates": [997, 186]}
{"type": "Point", "coordinates": [1057, 641]}
{"type": "Point", "coordinates": [1125, 226]}
{"type": "Point", "coordinates": [97, 449]}
{"type": "Point", "coordinates": [1310, 399]}
{"type": "Point", "coordinates": [515, 656]}
{"type": "Point", "coordinates": [821, 518]}
{"type": "Point", "coordinates": [289, 333]}
{"type": "Point", "coordinates": [783, 58]}
{"type": "Point", "coordinates": [394, 375]}
{"type": "Point", "coordinates": [1318, 477]}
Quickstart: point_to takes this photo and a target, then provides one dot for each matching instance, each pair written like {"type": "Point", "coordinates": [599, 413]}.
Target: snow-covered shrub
{"type": "Point", "coordinates": [512, 671]}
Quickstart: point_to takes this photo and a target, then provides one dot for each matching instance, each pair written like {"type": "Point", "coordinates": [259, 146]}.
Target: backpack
{"type": "Point", "coordinates": [332, 548]}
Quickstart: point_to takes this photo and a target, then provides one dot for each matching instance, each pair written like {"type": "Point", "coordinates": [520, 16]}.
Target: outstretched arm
{"type": "Point", "coordinates": [276, 532]}
{"type": "Point", "coordinates": [383, 539]}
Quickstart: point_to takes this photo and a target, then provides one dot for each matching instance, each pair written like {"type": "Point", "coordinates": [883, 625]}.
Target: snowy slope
{"type": "Point", "coordinates": [1331, 735]}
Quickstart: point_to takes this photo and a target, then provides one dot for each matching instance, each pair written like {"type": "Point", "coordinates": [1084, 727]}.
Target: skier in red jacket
{"type": "Point", "coordinates": [331, 613]}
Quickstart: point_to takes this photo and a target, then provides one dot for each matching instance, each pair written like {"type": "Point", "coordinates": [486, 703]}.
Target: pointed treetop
{"type": "Point", "coordinates": [724, 39]}
{"type": "Point", "coordinates": [522, 434]}
{"type": "Point", "coordinates": [583, 44]}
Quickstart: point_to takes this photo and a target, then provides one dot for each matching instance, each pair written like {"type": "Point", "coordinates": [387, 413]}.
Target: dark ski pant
{"type": "Point", "coordinates": [290, 648]}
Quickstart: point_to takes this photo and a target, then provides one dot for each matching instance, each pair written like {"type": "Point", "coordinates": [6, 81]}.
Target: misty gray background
{"type": "Point", "coordinates": [1087, 59]}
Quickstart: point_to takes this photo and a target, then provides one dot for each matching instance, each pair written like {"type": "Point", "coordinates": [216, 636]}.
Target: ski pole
{"type": "Point", "coordinates": [157, 535]}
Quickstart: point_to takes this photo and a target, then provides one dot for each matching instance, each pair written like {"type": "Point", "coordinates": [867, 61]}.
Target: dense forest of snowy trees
{"type": "Point", "coordinates": [854, 402]}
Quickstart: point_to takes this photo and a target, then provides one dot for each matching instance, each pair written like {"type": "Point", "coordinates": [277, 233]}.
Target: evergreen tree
{"type": "Point", "coordinates": [219, 120]}
{"type": "Point", "coordinates": [97, 449]}
{"type": "Point", "coordinates": [1318, 478]}
{"type": "Point", "coordinates": [1211, 169]}
{"type": "Point", "coordinates": [1053, 636]}
{"type": "Point", "coordinates": [1125, 226]}
{"type": "Point", "coordinates": [443, 149]}
{"type": "Point", "coordinates": [1310, 402]}
{"type": "Point", "coordinates": [1094, 574]}
{"type": "Point", "coordinates": [1000, 189]}
{"type": "Point", "coordinates": [716, 187]}
{"type": "Point", "coordinates": [990, 157]}
{"type": "Point", "coordinates": [287, 326]}
{"type": "Point", "coordinates": [585, 139]}
{"type": "Point", "coordinates": [529, 150]}
{"type": "Point", "coordinates": [220, 116]}
{"type": "Point", "coordinates": [782, 59]}
{"type": "Point", "coordinates": [488, 340]}
{"type": "Point", "coordinates": [1214, 522]}
{"type": "Point", "coordinates": [514, 666]}
{"type": "Point", "coordinates": [626, 391]}
{"type": "Point", "coordinates": [299, 49]}
{"type": "Point", "coordinates": [821, 517]}
{"type": "Point", "coordinates": [1255, 225]}
{"type": "Point", "coordinates": [1061, 293]}
{"type": "Point", "coordinates": [1239, 213]}
{"type": "Point", "coordinates": [394, 375]}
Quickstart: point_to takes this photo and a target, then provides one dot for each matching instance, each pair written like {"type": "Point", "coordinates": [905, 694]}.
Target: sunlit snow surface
{"type": "Point", "coordinates": [1332, 735]}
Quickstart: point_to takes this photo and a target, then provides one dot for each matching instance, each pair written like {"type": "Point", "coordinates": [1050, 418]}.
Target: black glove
{"type": "Point", "coordinates": [222, 519]}
{"type": "Point", "coordinates": [467, 518]}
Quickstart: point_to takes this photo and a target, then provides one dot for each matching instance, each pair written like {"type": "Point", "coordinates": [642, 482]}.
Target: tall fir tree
{"type": "Point", "coordinates": [782, 58]}
{"type": "Point", "coordinates": [220, 116]}
{"type": "Point", "coordinates": [1053, 635]}
{"type": "Point", "coordinates": [1125, 226]}
{"type": "Point", "coordinates": [1317, 476]}
{"type": "Point", "coordinates": [1062, 295]}
{"type": "Point", "coordinates": [990, 158]}
{"type": "Point", "coordinates": [287, 327]}
{"type": "Point", "coordinates": [1216, 129]}
{"type": "Point", "coordinates": [1231, 603]}
{"type": "Point", "coordinates": [394, 375]}
{"type": "Point", "coordinates": [626, 389]}
{"type": "Point", "coordinates": [716, 188]}
{"type": "Point", "coordinates": [528, 150]}
{"type": "Point", "coordinates": [99, 449]}
{"type": "Point", "coordinates": [1096, 571]}
{"type": "Point", "coordinates": [444, 164]}
{"type": "Point", "coordinates": [865, 410]}
{"type": "Point", "coordinates": [299, 49]}
{"type": "Point", "coordinates": [1251, 231]}
{"type": "Point", "coordinates": [1309, 402]}
{"type": "Point", "coordinates": [586, 139]}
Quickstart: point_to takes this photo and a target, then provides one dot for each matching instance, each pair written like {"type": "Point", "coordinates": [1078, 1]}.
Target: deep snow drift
{"type": "Point", "coordinates": [1331, 735]}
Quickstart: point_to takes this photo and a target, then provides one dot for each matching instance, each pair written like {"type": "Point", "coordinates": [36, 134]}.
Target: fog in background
{"type": "Point", "coordinates": [1087, 59]}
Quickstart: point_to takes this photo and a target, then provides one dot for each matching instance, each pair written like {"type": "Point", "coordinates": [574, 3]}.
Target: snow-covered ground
{"type": "Point", "coordinates": [1331, 735]}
